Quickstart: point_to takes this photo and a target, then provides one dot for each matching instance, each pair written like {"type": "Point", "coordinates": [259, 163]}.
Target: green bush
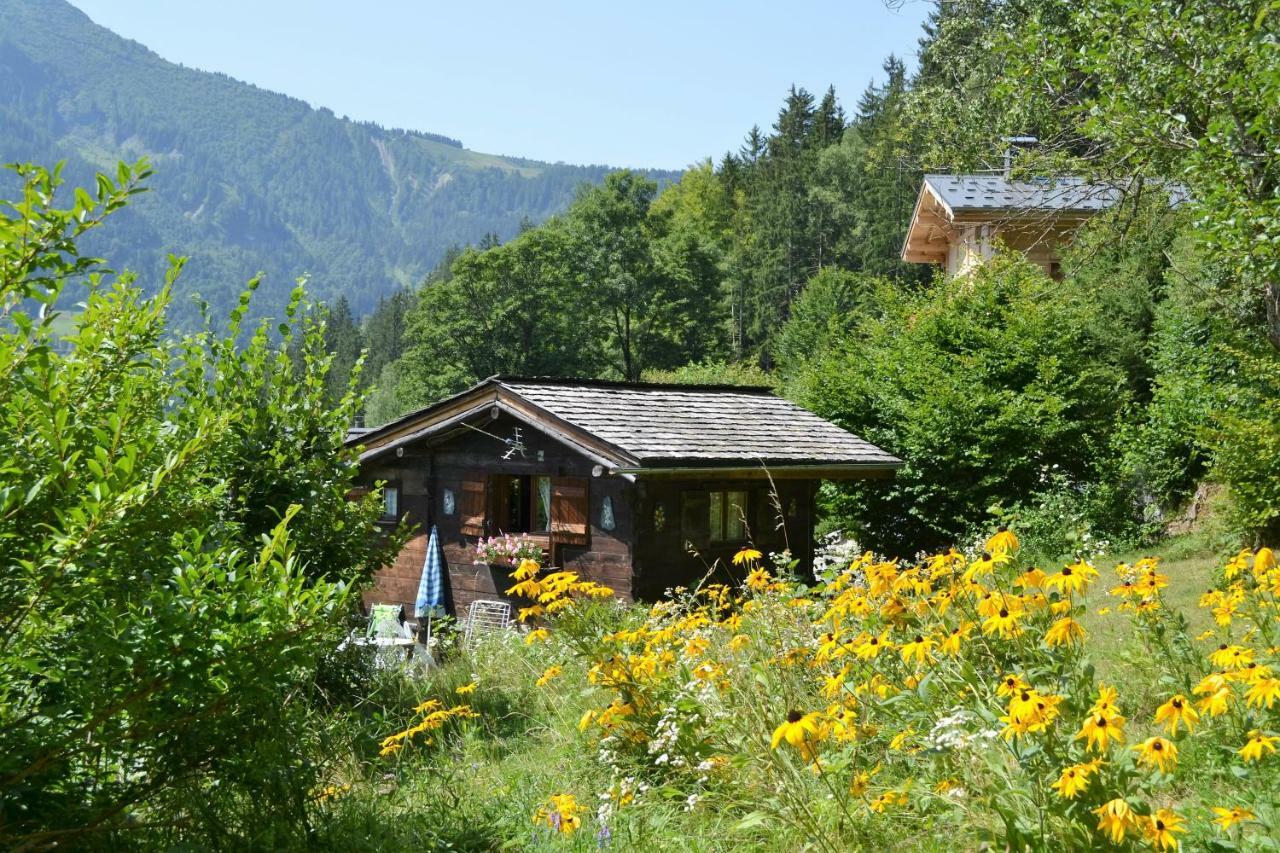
{"type": "Point", "coordinates": [980, 384]}
{"type": "Point", "coordinates": [177, 550]}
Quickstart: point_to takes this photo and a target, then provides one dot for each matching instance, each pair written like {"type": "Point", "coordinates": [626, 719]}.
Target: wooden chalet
{"type": "Point", "coordinates": [958, 219]}
{"type": "Point", "coordinates": [638, 486]}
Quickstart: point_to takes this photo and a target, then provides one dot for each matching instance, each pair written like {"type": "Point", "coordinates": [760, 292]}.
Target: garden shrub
{"type": "Point", "coordinates": [178, 552]}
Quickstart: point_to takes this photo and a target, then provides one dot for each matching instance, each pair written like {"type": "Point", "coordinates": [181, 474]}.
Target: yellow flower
{"type": "Point", "coordinates": [984, 565]}
{"type": "Point", "coordinates": [1264, 690]}
{"type": "Point", "coordinates": [1003, 622]}
{"type": "Point", "coordinates": [466, 689]}
{"type": "Point", "coordinates": [526, 569]}
{"type": "Point", "coordinates": [1115, 818]}
{"type": "Point", "coordinates": [873, 646]}
{"type": "Point", "coordinates": [1033, 578]}
{"type": "Point", "coordinates": [861, 781]}
{"type": "Point", "coordinates": [1075, 778]}
{"type": "Point", "coordinates": [800, 730]}
{"type": "Point", "coordinates": [1065, 630]}
{"type": "Point", "coordinates": [1258, 745]}
{"type": "Point", "coordinates": [951, 644]}
{"type": "Point", "coordinates": [887, 800]}
{"type": "Point", "coordinates": [919, 649]}
{"type": "Point", "coordinates": [1100, 729]}
{"type": "Point", "coordinates": [739, 641]}
{"type": "Point", "coordinates": [1160, 828]}
{"type": "Point", "coordinates": [1177, 711]}
{"type": "Point", "coordinates": [1157, 752]}
{"type": "Point", "coordinates": [758, 580]}
{"type": "Point", "coordinates": [527, 613]}
{"type": "Point", "coordinates": [1073, 578]}
{"type": "Point", "coordinates": [552, 671]}
{"type": "Point", "coordinates": [1011, 684]}
{"type": "Point", "coordinates": [1264, 561]}
{"type": "Point", "coordinates": [1231, 656]}
{"type": "Point", "coordinates": [560, 813]}
{"type": "Point", "coordinates": [746, 555]}
{"type": "Point", "coordinates": [900, 739]}
{"type": "Point", "coordinates": [1003, 542]}
{"type": "Point", "coordinates": [1229, 817]}
{"type": "Point", "coordinates": [535, 635]}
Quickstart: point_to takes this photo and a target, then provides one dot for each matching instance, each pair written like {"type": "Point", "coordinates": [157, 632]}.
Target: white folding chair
{"type": "Point", "coordinates": [485, 617]}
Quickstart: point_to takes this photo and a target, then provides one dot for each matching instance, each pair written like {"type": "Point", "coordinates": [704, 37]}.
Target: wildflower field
{"type": "Point", "coordinates": [947, 702]}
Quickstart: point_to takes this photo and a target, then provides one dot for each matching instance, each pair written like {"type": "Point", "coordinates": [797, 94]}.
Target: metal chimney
{"type": "Point", "coordinates": [1012, 145]}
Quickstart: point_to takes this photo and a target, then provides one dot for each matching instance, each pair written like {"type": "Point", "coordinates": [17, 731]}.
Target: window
{"type": "Point", "coordinates": [449, 503]}
{"type": "Point", "coordinates": [607, 521]}
{"type": "Point", "coordinates": [390, 503]}
{"type": "Point", "coordinates": [523, 503]}
{"type": "Point", "coordinates": [659, 517]}
{"type": "Point", "coordinates": [726, 516]}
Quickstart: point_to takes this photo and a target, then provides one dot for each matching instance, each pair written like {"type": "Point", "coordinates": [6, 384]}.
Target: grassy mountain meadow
{"type": "Point", "coordinates": [248, 180]}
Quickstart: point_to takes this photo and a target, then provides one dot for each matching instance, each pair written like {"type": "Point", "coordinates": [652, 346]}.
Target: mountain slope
{"type": "Point", "coordinates": [249, 180]}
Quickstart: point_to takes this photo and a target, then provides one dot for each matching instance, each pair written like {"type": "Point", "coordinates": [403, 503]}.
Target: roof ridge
{"type": "Point", "coordinates": [584, 382]}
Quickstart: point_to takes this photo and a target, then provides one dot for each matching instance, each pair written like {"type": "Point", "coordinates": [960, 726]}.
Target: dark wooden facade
{"type": "Point", "coordinates": [638, 530]}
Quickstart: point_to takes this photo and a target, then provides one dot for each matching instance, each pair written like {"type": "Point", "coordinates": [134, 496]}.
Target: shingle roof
{"type": "Point", "coordinates": [681, 425]}
{"type": "Point", "coordinates": [640, 426]}
{"type": "Point", "coordinates": [996, 192]}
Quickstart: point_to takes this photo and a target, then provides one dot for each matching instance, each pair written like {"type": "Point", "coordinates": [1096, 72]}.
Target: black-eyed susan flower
{"type": "Point", "coordinates": [1072, 579]}
{"type": "Point", "coordinates": [1115, 819]}
{"type": "Point", "coordinates": [466, 689]}
{"type": "Point", "coordinates": [758, 580]}
{"type": "Point", "coordinates": [1160, 829]}
{"type": "Point", "coordinates": [1065, 630]}
{"type": "Point", "coordinates": [561, 813]}
{"type": "Point", "coordinates": [985, 565]}
{"type": "Point", "coordinates": [1258, 745]}
{"type": "Point", "coordinates": [870, 646]}
{"type": "Point", "coordinates": [918, 649]}
{"type": "Point", "coordinates": [1099, 730]}
{"type": "Point", "coordinates": [1227, 818]}
{"type": "Point", "coordinates": [800, 730]}
{"type": "Point", "coordinates": [861, 781]}
{"type": "Point", "coordinates": [1265, 691]}
{"type": "Point", "coordinates": [1075, 778]}
{"type": "Point", "coordinates": [746, 556]}
{"type": "Point", "coordinates": [1003, 622]}
{"type": "Point", "coordinates": [536, 635]}
{"type": "Point", "coordinates": [552, 672]}
{"type": "Point", "coordinates": [1004, 541]}
{"type": "Point", "coordinates": [1177, 711]}
{"type": "Point", "coordinates": [1157, 752]}
{"type": "Point", "coordinates": [953, 641]}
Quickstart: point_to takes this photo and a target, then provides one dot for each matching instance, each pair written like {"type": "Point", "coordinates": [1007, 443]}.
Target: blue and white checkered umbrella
{"type": "Point", "coordinates": [430, 601]}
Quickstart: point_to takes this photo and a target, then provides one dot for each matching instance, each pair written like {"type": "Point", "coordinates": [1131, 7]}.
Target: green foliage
{"type": "Point", "coordinates": [1248, 454]}
{"type": "Point", "coordinates": [177, 547]}
{"type": "Point", "coordinates": [983, 385]}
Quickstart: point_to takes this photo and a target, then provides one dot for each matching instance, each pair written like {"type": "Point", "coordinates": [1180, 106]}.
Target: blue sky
{"type": "Point", "coordinates": [659, 84]}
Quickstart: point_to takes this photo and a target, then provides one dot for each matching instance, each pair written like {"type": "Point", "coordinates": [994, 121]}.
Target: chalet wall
{"type": "Point", "coordinates": [678, 553]}
{"type": "Point", "coordinates": [425, 472]}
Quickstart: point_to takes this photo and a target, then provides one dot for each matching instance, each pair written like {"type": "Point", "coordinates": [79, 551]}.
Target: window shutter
{"type": "Point", "coordinates": [473, 506]}
{"type": "Point", "coordinates": [570, 511]}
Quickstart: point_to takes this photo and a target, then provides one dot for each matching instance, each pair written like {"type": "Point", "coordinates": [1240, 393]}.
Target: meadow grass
{"type": "Point", "coordinates": [702, 683]}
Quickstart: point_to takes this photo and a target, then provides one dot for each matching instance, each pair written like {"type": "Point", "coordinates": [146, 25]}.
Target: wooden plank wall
{"type": "Point", "coordinates": [425, 472]}
{"type": "Point", "coordinates": [677, 555]}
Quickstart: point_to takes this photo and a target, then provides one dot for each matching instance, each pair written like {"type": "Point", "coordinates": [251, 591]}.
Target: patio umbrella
{"type": "Point", "coordinates": [430, 600]}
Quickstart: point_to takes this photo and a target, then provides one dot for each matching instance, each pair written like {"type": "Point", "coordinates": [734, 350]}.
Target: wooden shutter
{"type": "Point", "coordinates": [570, 511]}
{"type": "Point", "coordinates": [473, 506]}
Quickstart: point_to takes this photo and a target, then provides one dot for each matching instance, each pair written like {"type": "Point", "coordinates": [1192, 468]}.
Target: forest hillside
{"type": "Point", "coordinates": [248, 180]}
